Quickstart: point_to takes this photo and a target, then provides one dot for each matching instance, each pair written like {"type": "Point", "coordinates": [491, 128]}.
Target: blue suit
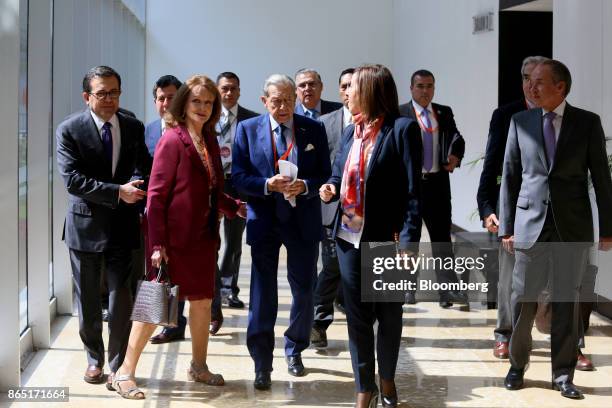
{"type": "Point", "coordinates": [271, 221]}
{"type": "Point", "coordinates": [326, 107]}
{"type": "Point", "coordinates": [152, 135]}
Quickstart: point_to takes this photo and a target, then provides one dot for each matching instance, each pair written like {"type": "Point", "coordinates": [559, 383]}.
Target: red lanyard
{"type": "Point", "coordinates": [422, 125]}
{"type": "Point", "coordinates": [286, 154]}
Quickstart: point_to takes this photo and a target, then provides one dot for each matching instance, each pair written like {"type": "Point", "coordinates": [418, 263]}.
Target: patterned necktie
{"type": "Point", "coordinates": [549, 137]}
{"type": "Point", "coordinates": [107, 142]}
{"type": "Point", "coordinates": [225, 127]}
{"type": "Point", "coordinates": [281, 143]}
{"type": "Point", "coordinates": [427, 142]}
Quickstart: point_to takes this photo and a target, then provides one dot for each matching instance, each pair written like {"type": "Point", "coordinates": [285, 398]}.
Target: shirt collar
{"type": "Point", "coordinates": [317, 108]}
{"type": "Point", "coordinates": [100, 122]}
{"type": "Point", "coordinates": [274, 124]}
{"type": "Point", "coordinates": [419, 109]}
{"type": "Point", "coordinates": [559, 110]}
{"type": "Point", "coordinates": [346, 113]}
{"type": "Point", "coordinates": [233, 109]}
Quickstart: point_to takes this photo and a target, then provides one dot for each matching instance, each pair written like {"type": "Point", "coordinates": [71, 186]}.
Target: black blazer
{"type": "Point", "coordinates": [488, 189]}
{"type": "Point", "coordinates": [244, 114]}
{"type": "Point", "coordinates": [450, 140]}
{"type": "Point", "coordinates": [393, 183]}
{"type": "Point", "coordinates": [326, 107]}
{"type": "Point", "coordinates": [96, 219]}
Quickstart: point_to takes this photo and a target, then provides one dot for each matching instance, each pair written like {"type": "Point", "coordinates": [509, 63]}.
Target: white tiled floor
{"type": "Point", "coordinates": [445, 360]}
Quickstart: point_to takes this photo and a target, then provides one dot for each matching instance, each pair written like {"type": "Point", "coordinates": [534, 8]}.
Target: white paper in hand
{"type": "Point", "coordinates": [288, 169]}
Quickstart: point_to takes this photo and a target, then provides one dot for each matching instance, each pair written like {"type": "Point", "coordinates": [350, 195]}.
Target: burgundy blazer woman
{"type": "Point", "coordinates": [182, 210]}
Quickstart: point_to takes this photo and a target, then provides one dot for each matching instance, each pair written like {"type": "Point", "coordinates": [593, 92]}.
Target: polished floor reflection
{"type": "Point", "coordinates": [445, 360]}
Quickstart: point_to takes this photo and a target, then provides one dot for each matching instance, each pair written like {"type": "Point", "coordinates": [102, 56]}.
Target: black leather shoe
{"type": "Point", "coordinates": [568, 390]}
{"type": "Point", "coordinates": [318, 337]}
{"type": "Point", "coordinates": [445, 304]}
{"type": "Point", "coordinates": [295, 366]}
{"type": "Point", "coordinates": [514, 379]}
{"type": "Point", "coordinates": [262, 380]}
{"type": "Point", "coordinates": [215, 325]}
{"type": "Point", "coordinates": [456, 297]}
{"type": "Point", "coordinates": [167, 336]}
{"type": "Point", "coordinates": [105, 315]}
{"type": "Point", "coordinates": [340, 307]}
{"type": "Point", "coordinates": [234, 302]}
{"type": "Point", "coordinates": [388, 400]}
{"type": "Point", "coordinates": [410, 298]}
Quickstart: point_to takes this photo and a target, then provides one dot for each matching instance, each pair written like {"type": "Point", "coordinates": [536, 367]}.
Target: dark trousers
{"type": "Point", "coordinates": [503, 329]}
{"type": "Point", "coordinates": [216, 312]}
{"type": "Point", "coordinates": [86, 270]}
{"type": "Point", "coordinates": [263, 305]}
{"type": "Point", "coordinates": [328, 284]}
{"type": "Point", "coordinates": [230, 261]}
{"type": "Point", "coordinates": [360, 317]}
{"type": "Point", "coordinates": [436, 209]}
{"type": "Point", "coordinates": [562, 265]}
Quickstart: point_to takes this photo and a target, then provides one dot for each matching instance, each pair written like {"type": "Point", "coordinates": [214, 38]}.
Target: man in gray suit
{"type": "Point", "coordinates": [545, 214]}
{"type": "Point", "coordinates": [328, 281]}
{"type": "Point", "coordinates": [101, 154]}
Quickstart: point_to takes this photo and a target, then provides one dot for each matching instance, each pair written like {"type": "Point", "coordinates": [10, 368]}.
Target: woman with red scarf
{"type": "Point", "coordinates": [376, 177]}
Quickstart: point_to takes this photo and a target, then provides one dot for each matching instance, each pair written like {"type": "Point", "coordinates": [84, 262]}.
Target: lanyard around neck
{"type": "Point", "coordinates": [424, 128]}
{"type": "Point", "coordinates": [275, 151]}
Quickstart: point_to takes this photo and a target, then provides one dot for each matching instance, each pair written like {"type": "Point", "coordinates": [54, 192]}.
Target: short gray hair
{"type": "Point", "coordinates": [308, 71]}
{"type": "Point", "coordinates": [534, 59]}
{"type": "Point", "coordinates": [278, 79]}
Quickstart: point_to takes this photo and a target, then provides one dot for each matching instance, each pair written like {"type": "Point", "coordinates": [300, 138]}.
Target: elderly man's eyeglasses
{"type": "Point", "coordinates": [103, 95]}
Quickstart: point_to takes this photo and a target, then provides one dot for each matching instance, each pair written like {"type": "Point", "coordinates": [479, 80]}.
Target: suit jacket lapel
{"type": "Point", "coordinates": [190, 149]}
{"type": "Point", "coordinates": [300, 138]}
{"type": "Point", "coordinates": [567, 124]}
{"type": "Point", "coordinates": [410, 112]}
{"type": "Point", "coordinates": [124, 143]}
{"type": "Point", "coordinates": [264, 139]}
{"type": "Point", "coordinates": [535, 122]}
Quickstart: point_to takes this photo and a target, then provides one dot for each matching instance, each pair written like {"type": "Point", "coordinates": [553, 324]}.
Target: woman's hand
{"type": "Point", "coordinates": [327, 192]}
{"type": "Point", "coordinates": [242, 210]}
{"type": "Point", "coordinates": [158, 256]}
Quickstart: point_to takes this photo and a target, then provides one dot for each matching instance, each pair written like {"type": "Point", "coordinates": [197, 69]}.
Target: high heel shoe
{"type": "Point", "coordinates": [196, 374]}
{"type": "Point", "coordinates": [388, 400]}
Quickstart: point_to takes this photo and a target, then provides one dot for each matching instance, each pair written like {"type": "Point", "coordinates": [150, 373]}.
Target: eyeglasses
{"type": "Point", "coordinates": [102, 95]}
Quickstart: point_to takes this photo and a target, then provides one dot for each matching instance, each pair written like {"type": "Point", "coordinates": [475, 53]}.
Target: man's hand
{"type": "Point", "coordinates": [157, 257]}
{"type": "Point", "coordinates": [130, 193]}
{"type": "Point", "coordinates": [242, 211]}
{"type": "Point", "coordinates": [605, 244]}
{"type": "Point", "coordinates": [491, 223]}
{"type": "Point", "coordinates": [508, 243]}
{"type": "Point", "coordinates": [327, 192]}
{"type": "Point", "coordinates": [453, 161]}
{"type": "Point", "coordinates": [296, 188]}
{"type": "Point", "coordinates": [278, 183]}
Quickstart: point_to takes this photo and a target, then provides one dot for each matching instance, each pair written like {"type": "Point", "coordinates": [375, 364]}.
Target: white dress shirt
{"type": "Point", "coordinates": [436, 134]}
{"type": "Point", "coordinates": [558, 120]}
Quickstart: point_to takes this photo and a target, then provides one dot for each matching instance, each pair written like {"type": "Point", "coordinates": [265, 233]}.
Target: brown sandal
{"type": "Point", "coordinates": [198, 374]}
{"type": "Point", "coordinates": [129, 393]}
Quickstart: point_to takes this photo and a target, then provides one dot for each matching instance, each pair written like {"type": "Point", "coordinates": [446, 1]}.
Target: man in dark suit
{"type": "Point", "coordinates": [328, 282]}
{"type": "Point", "coordinates": [443, 149]}
{"type": "Point", "coordinates": [99, 153]}
{"type": "Point", "coordinates": [280, 212]}
{"type": "Point", "coordinates": [488, 194]}
{"type": "Point", "coordinates": [549, 154]}
{"type": "Point", "coordinates": [163, 92]}
{"type": "Point", "coordinates": [232, 113]}
{"type": "Point", "coordinates": [308, 91]}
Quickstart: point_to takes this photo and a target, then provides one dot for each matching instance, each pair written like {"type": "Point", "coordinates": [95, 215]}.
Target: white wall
{"type": "Point", "coordinates": [88, 33]}
{"type": "Point", "coordinates": [582, 39]}
{"type": "Point", "coordinates": [437, 35]}
{"type": "Point", "coordinates": [258, 38]}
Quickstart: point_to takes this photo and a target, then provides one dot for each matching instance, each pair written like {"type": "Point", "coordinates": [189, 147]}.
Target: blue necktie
{"type": "Point", "coordinates": [549, 137]}
{"type": "Point", "coordinates": [107, 143]}
{"type": "Point", "coordinates": [427, 142]}
{"type": "Point", "coordinates": [281, 143]}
